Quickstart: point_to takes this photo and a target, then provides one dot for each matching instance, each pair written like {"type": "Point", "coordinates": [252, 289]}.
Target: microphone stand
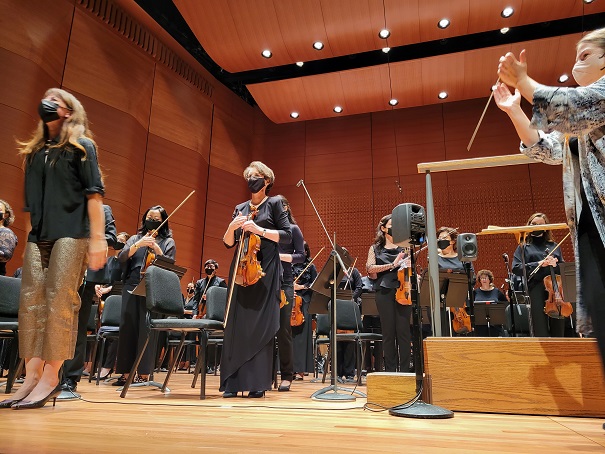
{"type": "Point", "coordinates": [331, 392]}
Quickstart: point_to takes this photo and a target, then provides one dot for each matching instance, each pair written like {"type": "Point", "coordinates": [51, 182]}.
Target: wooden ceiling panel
{"type": "Point", "coordinates": [432, 11]}
{"type": "Point", "coordinates": [406, 80]}
{"type": "Point", "coordinates": [366, 89]}
{"type": "Point", "coordinates": [278, 99]}
{"type": "Point", "coordinates": [481, 70]}
{"type": "Point", "coordinates": [327, 93]}
{"type": "Point", "coordinates": [443, 73]}
{"type": "Point", "coordinates": [403, 21]}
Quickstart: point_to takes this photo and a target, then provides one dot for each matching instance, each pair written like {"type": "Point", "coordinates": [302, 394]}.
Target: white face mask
{"type": "Point", "coordinates": [590, 65]}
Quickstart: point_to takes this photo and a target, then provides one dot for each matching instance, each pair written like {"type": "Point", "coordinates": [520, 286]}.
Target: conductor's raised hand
{"type": "Point", "coordinates": [506, 100]}
{"type": "Point", "coordinates": [512, 71]}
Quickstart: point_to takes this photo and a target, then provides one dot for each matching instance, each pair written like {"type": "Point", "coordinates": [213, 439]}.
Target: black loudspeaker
{"type": "Point", "coordinates": [409, 224]}
{"type": "Point", "coordinates": [467, 247]}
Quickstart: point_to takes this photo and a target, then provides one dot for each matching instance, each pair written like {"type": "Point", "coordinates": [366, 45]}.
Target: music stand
{"type": "Point", "coordinates": [166, 263]}
{"type": "Point", "coordinates": [489, 313]}
{"type": "Point", "coordinates": [325, 284]}
{"type": "Point", "coordinates": [568, 277]}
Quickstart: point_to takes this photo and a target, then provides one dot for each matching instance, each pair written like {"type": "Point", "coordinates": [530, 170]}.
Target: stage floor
{"type": "Point", "coordinates": [147, 421]}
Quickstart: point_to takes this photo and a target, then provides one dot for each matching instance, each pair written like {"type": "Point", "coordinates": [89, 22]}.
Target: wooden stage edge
{"type": "Point", "coordinates": [529, 376]}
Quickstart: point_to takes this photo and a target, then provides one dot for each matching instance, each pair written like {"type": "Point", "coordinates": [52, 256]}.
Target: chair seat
{"type": "Point", "coordinates": [104, 330]}
{"type": "Point", "coordinates": [364, 337]}
{"type": "Point", "coordinates": [184, 324]}
{"type": "Point", "coordinates": [9, 326]}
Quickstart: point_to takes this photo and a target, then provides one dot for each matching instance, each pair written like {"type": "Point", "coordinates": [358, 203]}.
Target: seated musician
{"type": "Point", "coordinates": [485, 293]}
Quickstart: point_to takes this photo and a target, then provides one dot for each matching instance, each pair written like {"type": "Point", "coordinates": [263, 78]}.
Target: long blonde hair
{"type": "Point", "coordinates": [74, 127]}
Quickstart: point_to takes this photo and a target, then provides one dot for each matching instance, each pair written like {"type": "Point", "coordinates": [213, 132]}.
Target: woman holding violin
{"type": "Point", "coordinates": [289, 254]}
{"type": "Point", "coordinates": [252, 318]}
{"type": "Point", "coordinates": [384, 257]}
{"type": "Point", "coordinates": [302, 327]}
{"type": "Point", "coordinates": [538, 245]}
{"type": "Point", "coordinates": [198, 309]}
{"type": "Point", "coordinates": [135, 257]}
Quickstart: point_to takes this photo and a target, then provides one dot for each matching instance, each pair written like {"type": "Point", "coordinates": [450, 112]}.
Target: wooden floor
{"type": "Point", "coordinates": [148, 422]}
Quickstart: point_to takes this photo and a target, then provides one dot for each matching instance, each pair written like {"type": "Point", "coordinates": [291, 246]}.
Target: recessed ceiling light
{"type": "Point", "coordinates": [294, 114]}
{"type": "Point", "coordinates": [507, 12]}
{"type": "Point", "coordinates": [337, 109]}
{"type": "Point", "coordinates": [393, 102]}
{"type": "Point", "coordinates": [442, 95]}
{"type": "Point", "coordinates": [443, 23]}
{"type": "Point", "coordinates": [300, 63]}
{"type": "Point", "coordinates": [386, 50]}
{"type": "Point", "coordinates": [266, 53]}
{"type": "Point", "coordinates": [563, 78]}
{"type": "Point", "coordinates": [588, 1]}
{"type": "Point", "coordinates": [318, 45]}
{"type": "Point", "coordinates": [384, 33]}
{"type": "Point", "coordinates": [504, 30]}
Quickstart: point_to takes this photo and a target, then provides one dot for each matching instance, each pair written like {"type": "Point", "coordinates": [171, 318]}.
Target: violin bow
{"type": "Point", "coordinates": [349, 273]}
{"type": "Point", "coordinates": [154, 232]}
{"type": "Point", "coordinates": [470, 144]}
{"type": "Point", "coordinates": [308, 265]}
{"type": "Point", "coordinates": [532, 274]}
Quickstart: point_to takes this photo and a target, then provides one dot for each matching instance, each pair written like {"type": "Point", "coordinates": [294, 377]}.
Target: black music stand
{"type": "Point", "coordinates": [489, 313]}
{"type": "Point", "coordinates": [166, 263]}
{"type": "Point", "coordinates": [568, 277]}
{"type": "Point", "coordinates": [325, 284]}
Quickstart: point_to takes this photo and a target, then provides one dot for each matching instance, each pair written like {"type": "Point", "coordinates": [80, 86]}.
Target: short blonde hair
{"type": "Point", "coordinates": [263, 169]}
{"type": "Point", "coordinates": [596, 37]}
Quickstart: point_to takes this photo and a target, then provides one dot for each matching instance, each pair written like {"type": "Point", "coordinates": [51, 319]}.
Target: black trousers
{"type": "Point", "coordinates": [396, 332]}
{"type": "Point", "coordinates": [73, 368]}
{"type": "Point", "coordinates": [544, 326]}
{"type": "Point", "coordinates": [346, 359]}
{"type": "Point", "coordinates": [592, 275]}
{"type": "Point", "coordinates": [371, 324]}
{"type": "Point", "coordinates": [284, 336]}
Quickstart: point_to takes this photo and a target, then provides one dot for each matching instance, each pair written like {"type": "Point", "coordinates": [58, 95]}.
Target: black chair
{"type": "Point", "coordinates": [163, 296]}
{"type": "Point", "coordinates": [10, 289]}
{"type": "Point", "coordinates": [521, 319]}
{"type": "Point", "coordinates": [109, 329]}
{"type": "Point", "coordinates": [348, 319]}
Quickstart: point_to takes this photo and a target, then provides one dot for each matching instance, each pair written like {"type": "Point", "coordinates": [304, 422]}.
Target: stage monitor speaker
{"type": "Point", "coordinates": [467, 247]}
{"type": "Point", "coordinates": [409, 224]}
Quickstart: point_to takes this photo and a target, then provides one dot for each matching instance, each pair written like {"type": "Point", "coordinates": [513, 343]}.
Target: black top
{"type": "Point", "coordinates": [386, 279]}
{"type": "Point", "coordinates": [132, 273]}
{"type": "Point", "coordinates": [201, 288]}
{"type": "Point", "coordinates": [306, 279]}
{"type": "Point", "coordinates": [353, 282]}
{"type": "Point", "coordinates": [534, 253]}
{"type": "Point", "coordinates": [57, 183]}
{"type": "Point", "coordinates": [297, 248]}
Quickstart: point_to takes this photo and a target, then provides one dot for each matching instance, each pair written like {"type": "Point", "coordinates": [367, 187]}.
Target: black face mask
{"type": "Point", "coordinates": [443, 244]}
{"type": "Point", "coordinates": [48, 111]}
{"type": "Point", "coordinates": [390, 231]}
{"type": "Point", "coordinates": [537, 233]}
{"type": "Point", "coordinates": [150, 224]}
{"type": "Point", "coordinates": [255, 184]}
{"type": "Point", "coordinates": [209, 271]}
{"type": "Point", "coordinates": [189, 290]}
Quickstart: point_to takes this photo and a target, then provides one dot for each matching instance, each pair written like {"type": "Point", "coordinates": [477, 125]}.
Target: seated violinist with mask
{"type": "Point", "coordinates": [198, 307]}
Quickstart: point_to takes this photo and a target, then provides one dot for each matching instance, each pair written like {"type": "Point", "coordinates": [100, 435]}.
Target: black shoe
{"type": "Point", "coordinates": [69, 384]}
{"type": "Point", "coordinates": [7, 403]}
{"type": "Point", "coordinates": [283, 387]}
{"type": "Point", "coordinates": [228, 395]}
{"type": "Point", "coordinates": [120, 381]}
{"type": "Point", "coordinates": [39, 403]}
{"type": "Point", "coordinates": [256, 394]}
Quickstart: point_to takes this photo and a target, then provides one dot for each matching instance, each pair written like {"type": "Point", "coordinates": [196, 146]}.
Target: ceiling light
{"type": "Point", "coordinates": [443, 23]}
{"type": "Point", "coordinates": [337, 109]}
{"type": "Point", "coordinates": [504, 30]}
{"type": "Point", "coordinates": [507, 12]}
{"type": "Point", "coordinates": [563, 78]}
{"type": "Point", "coordinates": [393, 102]}
{"type": "Point", "coordinates": [318, 45]}
{"type": "Point", "coordinates": [588, 1]}
{"type": "Point", "coordinates": [442, 95]}
{"type": "Point", "coordinates": [300, 63]}
{"type": "Point", "coordinates": [386, 50]}
{"type": "Point", "coordinates": [384, 33]}
{"type": "Point", "coordinates": [266, 53]}
{"type": "Point", "coordinates": [294, 114]}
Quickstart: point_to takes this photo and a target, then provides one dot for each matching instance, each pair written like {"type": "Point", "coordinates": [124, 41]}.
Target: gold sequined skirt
{"type": "Point", "coordinates": [49, 302]}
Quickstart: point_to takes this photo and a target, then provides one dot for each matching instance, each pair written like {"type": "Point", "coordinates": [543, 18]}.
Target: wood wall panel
{"type": "Point", "coordinates": [231, 147]}
{"type": "Point", "coordinates": [17, 125]}
{"type": "Point", "coordinates": [180, 113]}
{"type": "Point", "coordinates": [338, 135]}
{"type": "Point", "coordinates": [39, 31]}
{"type": "Point", "coordinates": [101, 65]}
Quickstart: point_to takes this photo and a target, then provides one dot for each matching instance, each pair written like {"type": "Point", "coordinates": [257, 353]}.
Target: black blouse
{"type": "Point", "coordinates": [132, 265]}
{"type": "Point", "coordinates": [57, 183]}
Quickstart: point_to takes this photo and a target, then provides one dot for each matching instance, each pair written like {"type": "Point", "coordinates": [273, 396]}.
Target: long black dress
{"type": "Point", "coordinates": [253, 319]}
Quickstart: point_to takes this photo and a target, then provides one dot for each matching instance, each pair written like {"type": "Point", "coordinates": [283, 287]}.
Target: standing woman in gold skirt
{"type": "Point", "coordinates": [63, 195]}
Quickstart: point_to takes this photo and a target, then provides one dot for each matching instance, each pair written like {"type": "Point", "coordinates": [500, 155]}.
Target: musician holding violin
{"type": "Point", "coordinates": [540, 253]}
{"type": "Point", "coordinates": [198, 308]}
{"type": "Point", "coordinates": [384, 257]}
{"type": "Point", "coordinates": [252, 316]}
{"type": "Point", "coordinates": [135, 257]}
{"type": "Point", "coordinates": [289, 254]}
{"type": "Point", "coordinates": [302, 325]}
{"type": "Point", "coordinates": [346, 350]}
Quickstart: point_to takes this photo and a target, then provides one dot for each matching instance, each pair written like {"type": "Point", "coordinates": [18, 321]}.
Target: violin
{"type": "Point", "coordinates": [461, 321]}
{"type": "Point", "coordinates": [298, 318]}
{"type": "Point", "coordinates": [555, 306]}
{"type": "Point", "coordinates": [403, 295]}
{"type": "Point", "coordinates": [283, 301]}
{"type": "Point", "coordinates": [249, 270]}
